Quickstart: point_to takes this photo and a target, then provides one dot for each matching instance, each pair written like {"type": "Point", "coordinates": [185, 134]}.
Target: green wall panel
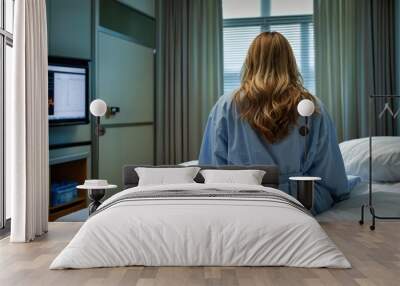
{"type": "Point", "coordinates": [124, 145]}
{"type": "Point", "coordinates": [69, 28]}
{"type": "Point", "coordinates": [69, 35]}
{"type": "Point", "coordinates": [125, 20]}
{"type": "Point", "coordinates": [126, 79]}
{"type": "Point", "coordinates": [69, 134]}
{"type": "Point", "coordinates": [144, 6]}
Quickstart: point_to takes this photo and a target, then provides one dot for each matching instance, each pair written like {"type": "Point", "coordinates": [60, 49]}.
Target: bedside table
{"type": "Point", "coordinates": [305, 190]}
{"type": "Point", "coordinates": [97, 190]}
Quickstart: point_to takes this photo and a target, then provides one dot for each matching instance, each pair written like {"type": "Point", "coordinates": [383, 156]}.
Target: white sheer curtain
{"type": "Point", "coordinates": [26, 124]}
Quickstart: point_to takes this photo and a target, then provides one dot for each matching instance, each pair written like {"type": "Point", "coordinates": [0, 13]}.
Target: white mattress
{"type": "Point", "coordinates": [189, 232]}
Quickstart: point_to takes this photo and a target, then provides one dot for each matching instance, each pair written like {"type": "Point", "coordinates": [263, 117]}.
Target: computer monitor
{"type": "Point", "coordinates": [68, 91]}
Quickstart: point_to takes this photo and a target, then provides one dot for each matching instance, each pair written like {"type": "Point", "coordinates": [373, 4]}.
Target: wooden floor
{"type": "Point", "coordinates": [375, 257]}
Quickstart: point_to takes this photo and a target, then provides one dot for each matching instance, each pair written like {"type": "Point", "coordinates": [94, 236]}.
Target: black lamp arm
{"type": "Point", "coordinates": [304, 130]}
{"type": "Point", "coordinates": [100, 130]}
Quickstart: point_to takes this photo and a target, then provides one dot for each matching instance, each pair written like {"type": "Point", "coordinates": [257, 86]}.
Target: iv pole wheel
{"type": "Point", "coordinates": [361, 222]}
{"type": "Point", "coordinates": [372, 227]}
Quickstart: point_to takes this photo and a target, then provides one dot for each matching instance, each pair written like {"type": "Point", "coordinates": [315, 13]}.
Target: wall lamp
{"type": "Point", "coordinates": [98, 108]}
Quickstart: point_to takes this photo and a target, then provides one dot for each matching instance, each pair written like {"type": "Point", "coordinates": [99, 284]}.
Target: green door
{"type": "Point", "coordinates": [125, 79]}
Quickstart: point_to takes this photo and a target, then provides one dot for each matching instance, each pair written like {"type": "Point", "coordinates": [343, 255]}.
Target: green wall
{"type": "Point", "coordinates": [74, 27]}
{"type": "Point", "coordinates": [145, 6]}
{"type": "Point", "coordinates": [69, 25]}
{"type": "Point", "coordinates": [70, 34]}
{"type": "Point", "coordinates": [125, 41]}
{"type": "Point", "coordinates": [122, 19]}
{"type": "Point", "coordinates": [69, 28]}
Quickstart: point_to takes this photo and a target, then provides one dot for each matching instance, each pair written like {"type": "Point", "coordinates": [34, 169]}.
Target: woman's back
{"type": "Point", "coordinates": [258, 123]}
{"type": "Point", "coordinates": [230, 140]}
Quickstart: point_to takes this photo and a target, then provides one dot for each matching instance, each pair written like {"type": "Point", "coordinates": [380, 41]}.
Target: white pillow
{"type": "Point", "coordinates": [165, 176]}
{"type": "Point", "coordinates": [385, 158]}
{"type": "Point", "coordinates": [190, 163]}
{"type": "Point", "coordinates": [248, 177]}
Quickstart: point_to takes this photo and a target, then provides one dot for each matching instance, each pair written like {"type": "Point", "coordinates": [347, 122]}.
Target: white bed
{"type": "Point", "coordinates": [385, 175]}
{"type": "Point", "coordinates": [386, 199]}
{"type": "Point", "coordinates": [192, 231]}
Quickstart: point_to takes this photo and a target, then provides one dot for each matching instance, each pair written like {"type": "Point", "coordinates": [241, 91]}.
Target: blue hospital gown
{"type": "Point", "coordinates": [229, 140]}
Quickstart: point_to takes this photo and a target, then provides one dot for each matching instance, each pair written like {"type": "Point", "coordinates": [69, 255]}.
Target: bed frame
{"type": "Point", "coordinates": [130, 178]}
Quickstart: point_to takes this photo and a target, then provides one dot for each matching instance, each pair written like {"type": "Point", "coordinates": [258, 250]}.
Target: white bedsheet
{"type": "Point", "coordinates": [386, 201]}
{"type": "Point", "coordinates": [223, 232]}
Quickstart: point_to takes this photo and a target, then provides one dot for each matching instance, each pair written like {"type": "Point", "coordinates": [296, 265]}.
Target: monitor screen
{"type": "Point", "coordinates": [67, 93]}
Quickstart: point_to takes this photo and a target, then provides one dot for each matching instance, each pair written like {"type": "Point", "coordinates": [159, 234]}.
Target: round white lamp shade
{"type": "Point", "coordinates": [98, 107]}
{"type": "Point", "coordinates": [306, 107]}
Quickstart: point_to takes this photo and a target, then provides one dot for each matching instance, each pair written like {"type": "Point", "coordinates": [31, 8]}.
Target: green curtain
{"type": "Point", "coordinates": [354, 59]}
{"type": "Point", "coordinates": [189, 74]}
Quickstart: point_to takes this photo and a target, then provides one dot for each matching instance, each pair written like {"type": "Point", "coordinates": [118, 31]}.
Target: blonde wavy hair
{"type": "Point", "coordinates": [271, 87]}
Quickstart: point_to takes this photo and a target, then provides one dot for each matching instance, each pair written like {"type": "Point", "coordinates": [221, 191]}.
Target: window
{"type": "Point", "coordinates": [244, 20]}
{"type": "Point", "coordinates": [6, 62]}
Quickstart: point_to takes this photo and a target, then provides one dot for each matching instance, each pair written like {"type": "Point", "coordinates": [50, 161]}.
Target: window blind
{"type": "Point", "coordinates": [239, 33]}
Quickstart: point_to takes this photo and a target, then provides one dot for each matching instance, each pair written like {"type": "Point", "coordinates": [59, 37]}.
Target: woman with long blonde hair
{"type": "Point", "coordinates": [258, 124]}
